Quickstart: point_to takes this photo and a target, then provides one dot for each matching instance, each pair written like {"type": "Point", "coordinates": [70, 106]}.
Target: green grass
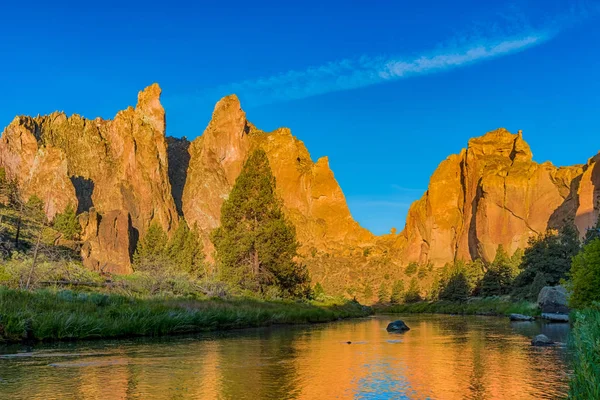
{"type": "Point", "coordinates": [585, 343]}
{"type": "Point", "coordinates": [474, 306]}
{"type": "Point", "coordinates": [47, 315]}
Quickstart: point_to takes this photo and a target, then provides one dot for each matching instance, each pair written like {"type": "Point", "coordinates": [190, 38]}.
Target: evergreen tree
{"type": "Point", "coordinates": [593, 233]}
{"type": "Point", "coordinates": [67, 223]}
{"type": "Point", "coordinates": [397, 292]}
{"type": "Point", "coordinates": [413, 294]}
{"type": "Point", "coordinates": [150, 251]}
{"type": "Point", "coordinates": [457, 288]}
{"type": "Point", "coordinates": [585, 276]}
{"type": "Point", "coordinates": [368, 292]}
{"type": "Point", "coordinates": [35, 208]}
{"type": "Point", "coordinates": [549, 254]}
{"type": "Point", "coordinates": [498, 278]}
{"type": "Point", "coordinates": [318, 291]}
{"type": "Point", "coordinates": [185, 249]}
{"type": "Point", "coordinates": [382, 294]}
{"type": "Point", "coordinates": [255, 245]}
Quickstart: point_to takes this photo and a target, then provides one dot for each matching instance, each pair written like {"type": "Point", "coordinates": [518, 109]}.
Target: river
{"type": "Point", "coordinates": [441, 357]}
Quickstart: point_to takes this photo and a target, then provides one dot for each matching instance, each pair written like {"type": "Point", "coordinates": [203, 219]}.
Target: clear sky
{"type": "Point", "coordinates": [386, 89]}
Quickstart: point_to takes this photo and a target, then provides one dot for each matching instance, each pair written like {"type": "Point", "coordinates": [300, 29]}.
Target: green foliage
{"type": "Point", "coordinates": [593, 233]}
{"type": "Point", "coordinates": [411, 268]}
{"type": "Point", "coordinates": [478, 306]}
{"type": "Point", "coordinates": [66, 315]}
{"type": "Point", "coordinates": [585, 337]}
{"type": "Point", "coordinates": [366, 252]}
{"type": "Point", "coordinates": [397, 292]}
{"type": "Point", "coordinates": [368, 292]}
{"type": "Point", "coordinates": [549, 254]}
{"type": "Point", "coordinates": [422, 272]}
{"type": "Point", "coordinates": [255, 245]}
{"type": "Point", "coordinates": [318, 291]}
{"type": "Point", "coordinates": [34, 208]}
{"type": "Point", "coordinates": [186, 251]}
{"type": "Point", "coordinates": [382, 293]}
{"type": "Point", "coordinates": [585, 276]}
{"type": "Point", "coordinates": [413, 294]}
{"type": "Point", "coordinates": [150, 253]}
{"type": "Point", "coordinates": [457, 288]}
{"type": "Point", "coordinates": [67, 223]}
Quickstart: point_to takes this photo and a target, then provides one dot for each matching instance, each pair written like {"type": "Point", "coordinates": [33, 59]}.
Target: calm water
{"type": "Point", "coordinates": [442, 357]}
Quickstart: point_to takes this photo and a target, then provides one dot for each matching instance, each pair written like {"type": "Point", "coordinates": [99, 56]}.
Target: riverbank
{"type": "Point", "coordinates": [585, 340]}
{"type": "Point", "coordinates": [47, 315]}
{"type": "Point", "coordinates": [499, 306]}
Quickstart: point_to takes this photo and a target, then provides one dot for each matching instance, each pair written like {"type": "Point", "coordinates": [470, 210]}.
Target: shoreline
{"type": "Point", "coordinates": [51, 316]}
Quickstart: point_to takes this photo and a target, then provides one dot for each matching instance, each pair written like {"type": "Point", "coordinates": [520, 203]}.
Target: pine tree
{"type": "Point", "coordinates": [498, 278]}
{"type": "Point", "coordinates": [185, 249]}
{"type": "Point", "coordinates": [397, 292]}
{"type": "Point", "coordinates": [413, 294]}
{"type": "Point", "coordinates": [150, 251]}
{"type": "Point", "coordinates": [255, 245]}
{"type": "Point", "coordinates": [382, 293]}
{"type": "Point", "coordinates": [67, 223]}
{"type": "Point", "coordinates": [456, 289]}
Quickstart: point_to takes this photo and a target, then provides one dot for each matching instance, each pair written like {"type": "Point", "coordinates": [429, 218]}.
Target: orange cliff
{"type": "Point", "coordinates": [493, 193]}
{"type": "Point", "coordinates": [123, 174]}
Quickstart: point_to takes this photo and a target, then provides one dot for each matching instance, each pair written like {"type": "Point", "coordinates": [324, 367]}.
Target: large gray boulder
{"type": "Point", "coordinates": [553, 300]}
{"type": "Point", "coordinates": [397, 326]}
{"type": "Point", "coordinates": [541, 340]}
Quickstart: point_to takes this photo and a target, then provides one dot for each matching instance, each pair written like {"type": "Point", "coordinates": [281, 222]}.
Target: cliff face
{"type": "Point", "coordinates": [493, 193]}
{"type": "Point", "coordinates": [116, 166]}
{"type": "Point", "coordinates": [312, 198]}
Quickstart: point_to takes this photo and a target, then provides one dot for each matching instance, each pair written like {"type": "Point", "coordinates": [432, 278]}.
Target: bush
{"type": "Point", "coordinates": [585, 276]}
{"type": "Point", "coordinates": [411, 268]}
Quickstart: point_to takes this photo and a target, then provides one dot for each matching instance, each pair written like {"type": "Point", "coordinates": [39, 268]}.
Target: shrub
{"type": "Point", "coordinates": [585, 276]}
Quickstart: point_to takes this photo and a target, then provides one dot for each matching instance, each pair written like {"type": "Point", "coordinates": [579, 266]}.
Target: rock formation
{"type": "Point", "coordinates": [311, 196]}
{"type": "Point", "coordinates": [122, 174]}
{"type": "Point", "coordinates": [117, 166]}
{"type": "Point", "coordinates": [491, 194]}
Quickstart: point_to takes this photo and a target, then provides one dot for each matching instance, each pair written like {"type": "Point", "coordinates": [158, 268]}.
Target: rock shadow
{"type": "Point", "coordinates": [84, 188]}
{"type": "Point", "coordinates": [179, 161]}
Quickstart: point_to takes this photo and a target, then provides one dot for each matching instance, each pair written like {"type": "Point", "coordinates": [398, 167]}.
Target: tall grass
{"type": "Point", "coordinates": [474, 306]}
{"type": "Point", "coordinates": [585, 343]}
{"type": "Point", "coordinates": [46, 315]}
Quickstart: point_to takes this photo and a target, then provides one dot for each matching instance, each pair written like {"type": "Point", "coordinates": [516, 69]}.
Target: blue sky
{"type": "Point", "coordinates": [386, 89]}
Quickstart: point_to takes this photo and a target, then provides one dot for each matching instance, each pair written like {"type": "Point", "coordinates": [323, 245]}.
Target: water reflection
{"type": "Point", "coordinates": [441, 357]}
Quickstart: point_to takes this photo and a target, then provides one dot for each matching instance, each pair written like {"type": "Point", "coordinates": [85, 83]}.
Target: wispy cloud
{"type": "Point", "coordinates": [510, 33]}
{"type": "Point", "coordinates": [366, 70]}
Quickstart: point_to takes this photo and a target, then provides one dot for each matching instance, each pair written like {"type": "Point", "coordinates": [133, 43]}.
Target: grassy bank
{"type": "Point", "coordinates": [47, 315]}
{"type": "Point", "coordinates": [585, 343]}
{"type": "Point", "coordinates": [474, 306]}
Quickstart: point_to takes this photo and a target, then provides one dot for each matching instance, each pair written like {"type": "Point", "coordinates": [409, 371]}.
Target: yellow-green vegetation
{"type": "Point", "coordinates": [46, 315]}
{"type": "Point", "coordinates": [585, 340]}
{"type": "Point", "coordinates": [475, 306]}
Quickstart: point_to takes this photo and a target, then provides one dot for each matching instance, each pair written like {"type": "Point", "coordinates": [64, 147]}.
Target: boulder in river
{"type": "Point", "coordinates": [554, 317]}
{"type": "Point", "coordinates": [541, 340]}
{"type": "Point", "coordinates": [397, 326]}
{"type": "Point", "coordinates": [520, 317]}
{"type": "Point", "coordinates": [553, 299]}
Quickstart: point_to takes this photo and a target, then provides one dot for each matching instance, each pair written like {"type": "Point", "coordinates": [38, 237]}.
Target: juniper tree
{"type": "Point", "coordinates": [397, 292]}
{"type": "Point", "coordinates": [67, 224]}
{"type": "Point", "coordinates": [185, 249]}
{"type": "Point", "coordinates": [150, 252]}
{"type": "Point", "coordinates": [256, 245]}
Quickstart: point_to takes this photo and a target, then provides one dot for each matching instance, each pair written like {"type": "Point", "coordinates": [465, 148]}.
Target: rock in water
{"type": "Point", "coordinates": [397, 326]}
{"type": "Point", "coordinates": [520, 317]}
{"type": "Point", "coordinates": [541, 340]}
{"type": "Point", "coordinates": [553, 299]}
{"type": "Point", "coordinates": [552, 317]}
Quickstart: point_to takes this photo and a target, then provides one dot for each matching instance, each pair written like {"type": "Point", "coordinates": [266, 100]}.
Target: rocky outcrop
{"type": "Point", "coordinates": [553, 299]}
{"type": "Point", "coordinates": [520, 317]}
{"type": "Point", "coordinates": [490, 194]}
{"type": "Point", "coordinates": [588, 195]}
{"type": "Point", "coordinates": [117, 166]}
{"type": "Point", "coordinates": [110, 241]}
{"type": "Point", "coordinates": [312, 198]}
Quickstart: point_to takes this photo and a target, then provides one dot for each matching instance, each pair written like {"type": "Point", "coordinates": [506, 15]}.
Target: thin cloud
{"type": "Point", "coordinates": [366, 71]}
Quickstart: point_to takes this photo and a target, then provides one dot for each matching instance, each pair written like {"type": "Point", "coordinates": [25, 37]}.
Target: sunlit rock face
{"type": "Point", "coordinates": [311, 196]}
{"type": "Point", "coordinates": [491, 194]}
{"type": "Point", "coordinates": [117, 165]}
